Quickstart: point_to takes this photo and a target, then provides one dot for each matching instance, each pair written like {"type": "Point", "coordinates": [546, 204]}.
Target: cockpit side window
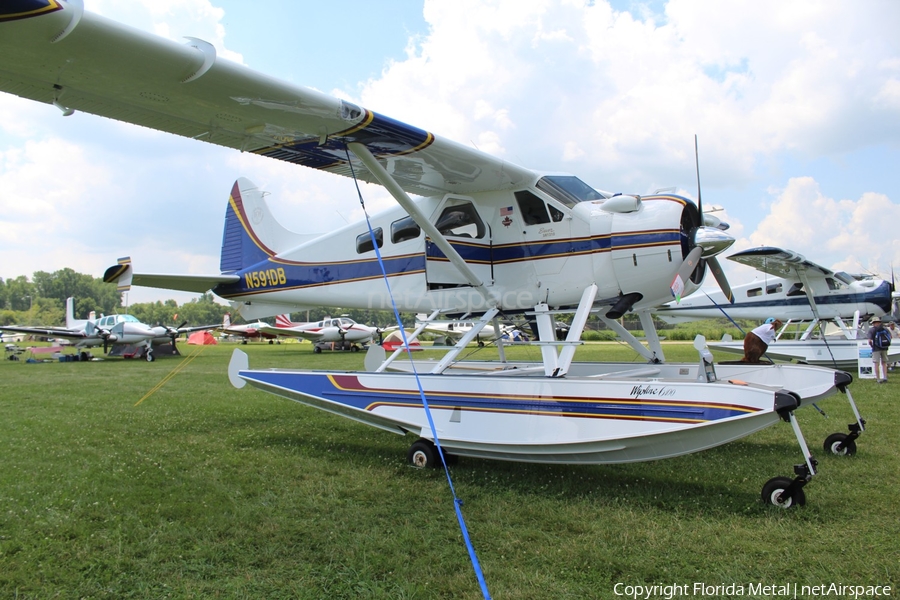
{"type": "Point", "coordinates": [532, 208]}
{"type": "Point", "coordinates": [460, 220]}
{"type": "Point", "coordinates": [568, 189]}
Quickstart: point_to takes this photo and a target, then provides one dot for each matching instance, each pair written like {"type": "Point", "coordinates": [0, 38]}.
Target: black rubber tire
{"type": "Point", "coordinates": [317, 350]}
{"type": "Point", "coordinates": [149, 356]}
{"type": "Point", "coordinates": [423, 454]}
{"type": "Point", "coordinates": [834, 440]}
{"type": "Point", "coordinates": [775, 486]}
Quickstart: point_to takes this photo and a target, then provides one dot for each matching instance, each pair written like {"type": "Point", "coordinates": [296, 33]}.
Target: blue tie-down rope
{"type": "Point", "coordinates": [457, 503]}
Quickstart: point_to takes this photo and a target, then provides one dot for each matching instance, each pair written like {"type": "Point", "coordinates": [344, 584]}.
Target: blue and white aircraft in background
{"type": "Point", "coordinates": [792, 288]}
{"type": "Point", "coordinates": [824, 312]}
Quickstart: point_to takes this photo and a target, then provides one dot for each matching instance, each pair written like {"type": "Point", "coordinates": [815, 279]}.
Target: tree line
{"type": "Point", "coordinates": [41, 301]}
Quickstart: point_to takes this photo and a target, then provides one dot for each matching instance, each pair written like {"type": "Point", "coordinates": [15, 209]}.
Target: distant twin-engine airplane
{"type": "Point", "coordinates": [110, 330]}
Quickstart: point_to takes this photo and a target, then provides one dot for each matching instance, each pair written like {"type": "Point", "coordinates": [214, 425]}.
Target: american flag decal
{"type": "Point", "coordinates": [506, 210]}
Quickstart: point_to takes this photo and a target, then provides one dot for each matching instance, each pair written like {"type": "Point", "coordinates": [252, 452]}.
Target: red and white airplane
{"type": "Point", "coordinates": [248, 331]}
{"type": "Point", "coordinates": [339, 329]}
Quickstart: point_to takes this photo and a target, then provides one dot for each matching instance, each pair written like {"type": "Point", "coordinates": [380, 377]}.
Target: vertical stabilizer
{"type": "Point", "coordinates": [70, 313]}
{"type": "Point", "coordinates": [251, 232]}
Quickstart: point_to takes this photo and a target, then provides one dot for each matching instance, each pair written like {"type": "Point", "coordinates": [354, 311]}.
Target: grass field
{"type": "Point", "coordinates": [204, 491]}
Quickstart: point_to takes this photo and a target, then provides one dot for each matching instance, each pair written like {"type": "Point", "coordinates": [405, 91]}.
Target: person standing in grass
{"type": "Point", "coordinates": [757, 341]}
{"type": "Point", "coordinates": [880, 341]}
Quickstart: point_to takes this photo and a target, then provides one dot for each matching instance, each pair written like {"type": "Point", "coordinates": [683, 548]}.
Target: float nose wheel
{"type": "Point", "coordinates": [844, 444]}
{"type": "Point", "coordinates": [785, 492]}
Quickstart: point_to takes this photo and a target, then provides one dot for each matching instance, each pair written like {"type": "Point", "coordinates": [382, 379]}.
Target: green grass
{"type": "Point", "coordinates": [203, 491]}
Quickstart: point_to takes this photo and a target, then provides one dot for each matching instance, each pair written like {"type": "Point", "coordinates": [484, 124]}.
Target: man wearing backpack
{"type": "Point", "coordinates": [880, 341]}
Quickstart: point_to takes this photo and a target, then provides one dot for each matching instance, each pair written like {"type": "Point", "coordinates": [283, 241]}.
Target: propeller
{"type": "Point", "coordinates": [705, 244]}
{"type": "Point", "coordinates": [172, 332]}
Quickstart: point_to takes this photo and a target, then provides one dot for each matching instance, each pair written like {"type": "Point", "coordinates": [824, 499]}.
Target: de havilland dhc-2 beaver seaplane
{"type": "Point", "coordinates": [807, 297]}
{"type": "Point", "coordinates": [485, 238]}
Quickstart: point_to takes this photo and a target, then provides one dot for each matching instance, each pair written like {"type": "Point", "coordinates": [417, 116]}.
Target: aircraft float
{"type": "Point", "coordinates": [485, 238]}
{"type": "Point", "coordinates": [807, 297]}
{"type": "Point", "coordinates": [111, 331]}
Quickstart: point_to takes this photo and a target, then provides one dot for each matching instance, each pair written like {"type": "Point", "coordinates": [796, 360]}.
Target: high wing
{"type": "Point", "coordinates": [782, 263]}
{"type": "Point", "coordinates": [52, 51]}
{"type": "Point", "coordinates": [788, 265]}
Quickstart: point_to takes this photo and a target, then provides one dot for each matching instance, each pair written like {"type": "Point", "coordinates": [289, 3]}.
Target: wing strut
{"type": "Point", "coordinates": [421, 220]}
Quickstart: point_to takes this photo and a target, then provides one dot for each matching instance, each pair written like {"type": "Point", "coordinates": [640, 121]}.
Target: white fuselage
{"type": "Point", "coordinates": [784, 299]}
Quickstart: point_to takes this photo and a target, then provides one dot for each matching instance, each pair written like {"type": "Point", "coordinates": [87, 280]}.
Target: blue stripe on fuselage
{"type": "Point", "coordinates": [304, 274]}
{"type": "Point", "coordinates": [880, 297]}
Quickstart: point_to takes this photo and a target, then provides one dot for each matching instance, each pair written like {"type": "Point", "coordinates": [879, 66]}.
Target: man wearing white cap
{"type": "Point", "coordinates": [757, 341]}
{"type": "Point", "coordinates": [880, 341]}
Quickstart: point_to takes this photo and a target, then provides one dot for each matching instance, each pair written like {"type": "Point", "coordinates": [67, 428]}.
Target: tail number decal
{"type": "Point", "coordinates": [268, 278]}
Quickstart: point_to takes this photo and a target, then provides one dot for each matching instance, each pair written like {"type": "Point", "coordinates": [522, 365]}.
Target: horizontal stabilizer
{"type": "Point", "coordinates": [123, 275]}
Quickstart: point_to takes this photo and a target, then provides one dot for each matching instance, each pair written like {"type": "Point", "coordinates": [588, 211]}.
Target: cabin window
{"type": "Point", "coordinates": [832, 284]}
{"type": "Point", "coordinates": [556, 215]}
{"type": "Point", "coordinates": [774, 288]}
{"type": "Point", "coordinates": [404, 229]}
{"type": "Point", "coordinates": [796, 290]}
{"type": "Point", "coordinates": [364, 241]}
{"type": "Point", "coordinates": [754, 292]}
{"type": "Point", "coordinates": [533, 209]}
{"type": "Point", "coordinates": [460, 220]}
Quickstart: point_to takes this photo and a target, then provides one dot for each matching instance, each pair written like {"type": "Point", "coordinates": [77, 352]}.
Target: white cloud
{"type": "Point", "coordinates": [845, 234]}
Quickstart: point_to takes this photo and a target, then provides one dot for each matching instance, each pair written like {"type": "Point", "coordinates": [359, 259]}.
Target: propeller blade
{"type": "Point", "coordinates": [719, 274]}
{"type": "Point", "coordinates": [684, 272]}
{"type": "Point", "coordinates": [697, 164]}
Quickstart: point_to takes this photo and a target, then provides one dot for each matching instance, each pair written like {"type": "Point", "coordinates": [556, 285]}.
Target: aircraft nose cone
{"type": "Point", "coordinates": [712, 240]}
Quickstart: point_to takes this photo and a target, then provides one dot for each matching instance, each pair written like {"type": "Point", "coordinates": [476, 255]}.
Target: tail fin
{"type": "Point", "coordinates": [284, 321]}
{"type": "Point", "coordinates": [70, 313]}
{"type": "Point", "coordinates": [226, 321]}
{"type": "Point", "coordinates": [251, 232]}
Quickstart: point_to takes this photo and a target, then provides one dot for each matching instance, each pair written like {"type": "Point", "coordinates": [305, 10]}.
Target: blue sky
{"type": "Point", "coordinates": [796, 105]}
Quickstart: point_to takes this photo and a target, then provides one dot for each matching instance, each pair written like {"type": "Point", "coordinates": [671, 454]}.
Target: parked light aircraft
{"type": "Point", "coordinates": [806, 297]}
{"type": "Point", "coordinates": [456, 329]}
{"type": "Point", "coordinates": [110, 330]}
{"type": "Point", "coordinates": [248, 331]}
{"type": "Point", "coordinates": [794, 288]}
{"type": "Point", "coordinates": [487, 237]}
{"type": "Point", "coordinates": [339, 329]}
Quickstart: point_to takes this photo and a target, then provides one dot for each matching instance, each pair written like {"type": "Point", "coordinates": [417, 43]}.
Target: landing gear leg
{"type": "Point", "coordinates": [844, 444]}
{"type": "Point", "coordinates": [782, 491]}
{"type": "Point", "coordinates": [149, 355]}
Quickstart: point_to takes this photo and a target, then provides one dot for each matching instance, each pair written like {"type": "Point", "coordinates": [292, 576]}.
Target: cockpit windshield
{"type": "Point", "coordinates": [568, 189]}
